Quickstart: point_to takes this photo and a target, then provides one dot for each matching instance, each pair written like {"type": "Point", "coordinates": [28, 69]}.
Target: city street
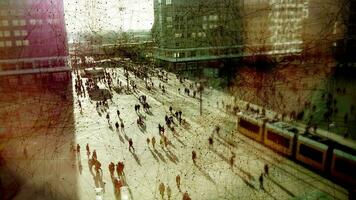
{"type": "Point", "coordinates": [61, 173]}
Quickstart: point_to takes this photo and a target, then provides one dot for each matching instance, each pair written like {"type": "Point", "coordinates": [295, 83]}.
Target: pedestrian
{"type": "Point", "coordinates": [131, 145]}
{"type": "Point", "coordinates": [153, 142]}
{"type": "Point", "coordinates": [148, 142]}
{"type": "Point", "coordinates": [217, 129]}
{"type": "Point", "coordinates": [186, 196]}
{"type": "Point", "coordinates": [159, 128]}
{"type": "Point", "coordinates": [94, 155]}
{"type": "Point", "coordinates": [122, 125]}
{"type": "Point", "coordinates": [169, 192]}
{"type": "Point", "coordinates": [266, 169]}
{"type": "Point", "coordinates": [165, 141]}
{"type": "Point", "coordinates": [261, 181]}
{"type": "Point", "coordinates": [170, 109]}
{"type": "Point", "coordinates": [117, 125]}
{"type": "Point", "coordinates": [108, 117]}
{"type": "Point", "coordinates": [194, 156]}
{"type": "Point", "coordinates": [78, 148]}
{"type": "Point", "coordinates": [161, 189]}
{"type": "Point", "coordinates": [161, 142]}
{"type": "Point", "coordinates": [232, 160]}
{"type": "Point", "coordinates": [178, 181]}
{"type": "Point", "coordinates": [97, 166]}
{"type": "Point", "coordinates": [111, 168]}
{"type": "Point", "coordinates": [88, 150]}
{"type": "Point", "coordinates": [120, 168]}
{"type": "Point", "coordinates": [118, 112]}
{"type": "Point", "coordinates": [211, 141]}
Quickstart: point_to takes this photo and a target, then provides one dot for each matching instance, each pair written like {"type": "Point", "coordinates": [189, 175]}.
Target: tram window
{"type": "Point", "coordinates": [249, 126]}
{"type": "Point", "coordinates": [311, 153]}
{"type": "Point", "coordinates": [278, 139]}
{"type": "Point", "coordinates": [345, 167]}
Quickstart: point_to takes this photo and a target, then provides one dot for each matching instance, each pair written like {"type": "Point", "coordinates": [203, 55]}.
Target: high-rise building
{"type": "Point", "coordinates": [33, 37]}
{"type": "Point", "coordinates": [349, 58]}
{"type": "Point", "coordinates": [189, 31]}
{"type": "Point", "coordinates": [351, 32]}
{"type": "Point", "coordinates": [286, 25]}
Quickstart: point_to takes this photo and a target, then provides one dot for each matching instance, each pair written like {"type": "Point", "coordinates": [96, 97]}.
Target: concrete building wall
{"type": "Point", "coordinates": [33, 37]}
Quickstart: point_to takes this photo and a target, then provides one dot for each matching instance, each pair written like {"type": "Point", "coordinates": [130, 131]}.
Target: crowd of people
{"type": "Point", "coordinates": [173, 119]}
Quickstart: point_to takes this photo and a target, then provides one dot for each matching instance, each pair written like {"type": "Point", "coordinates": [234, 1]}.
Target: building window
{"type": "Point", "coordinates": [32, 21]}
{"type": "Point", "coordinates": [15, 22]}
{"type": "Point", "coordinates": [3, 13]}
{"type": "Point", "coordinates": [213, 17]}
{"type": "Point", "coordinates": [18, 42]}
{"type": "Point", "coordinates": [17, 33]}
{"type": "Point", "coordinates": [1, 34]}
{"type": "Point", "coordinates": [22, 22]}
{"type": "Point", "coordinates": [8, 43]}
{"type": "Point", "coordinates": [5, 22]}
{"type": "Point", "coordinates": [23, 32]}
{"type": "Point", "coordinates": [25, 42]}
{"type": "Point", "coordinates": [178, 35]}
{"type": "Point", "coordinates": [168, 2]}
{"type": "Point", "coordinates": [7, 33]}
{"type": "Point", "coordinates": [2, 44]}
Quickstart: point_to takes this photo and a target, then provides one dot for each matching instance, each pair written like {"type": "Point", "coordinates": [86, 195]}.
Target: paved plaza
{"type": "Point", "coordinates": [39, 128]}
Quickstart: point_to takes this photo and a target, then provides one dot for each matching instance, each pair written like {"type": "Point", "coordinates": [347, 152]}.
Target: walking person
{"type": "Point", "coordinates": [153, 142]}
{"type": "Point", "coordinates": [194, 156]}
{"type": "Point", "coordinates": [148, 142]}
{"type": "Point", "coordinates": [108, 117]}
{"type": "Point", "coordinates": [161, 189]}
{"type": "Point", "coordinates": [97, 166]}
{"type": "Point", "coordinates": [261, 181]}
{"type": "Point", "coordinates": [266, 169]}
{"type": "Point", "coordinates": [94, 156]}
{"type": "Point", "coordinates": [131, 145]}
{"type": "Point", "coordinates": [186, 196]}
{"type": "Point", "coordinates": [232, 160]}
{"type": "Point", "coordinates": [217, 129]}
{"type": "Point", "coordinates": [88, 150]}
{"type": "Point", "coordinates": [122, 125]}
{"type": "Point", "coordinates": [178, 181]}
{"type": "Point", "coordinates": [78, 148]}
{"type": "Point", "coordinates": [120, 168]}
{"type": "Point", "coordinates": [165, 141]}
{"type": "Point", "coordinates": [211, 141]}
{"type": "Point", "coordinates": [111, 168]}
{"type": "Point", "coordinates": [117, 125]}
{"type": "Point", "coordinates": [169, 192]}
